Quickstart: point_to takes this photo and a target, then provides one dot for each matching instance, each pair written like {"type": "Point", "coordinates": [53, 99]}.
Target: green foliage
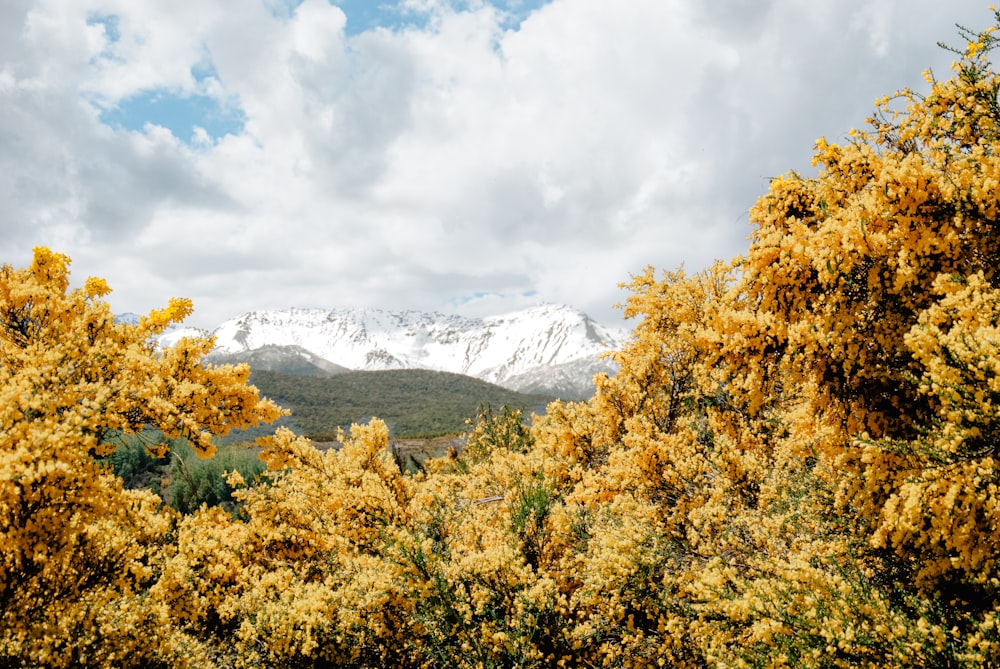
{"type": "Point", "coordinates": [533, 498]}
{"type": "Point", "coordinates": [196, 481]}
{"type": "Point", "coordinates": [413, 402]}
{"type": "Point", "coordinates": [134, 461]}
{"type": "Point", "coordinates": [186, 480]}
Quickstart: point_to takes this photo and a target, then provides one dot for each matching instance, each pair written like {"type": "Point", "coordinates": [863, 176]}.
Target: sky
{"type": "Point", "coordinates": [464, 156]}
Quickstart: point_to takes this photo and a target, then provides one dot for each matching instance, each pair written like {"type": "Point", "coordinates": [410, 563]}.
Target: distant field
{"type": "Point", "coordinates": [414, 403]}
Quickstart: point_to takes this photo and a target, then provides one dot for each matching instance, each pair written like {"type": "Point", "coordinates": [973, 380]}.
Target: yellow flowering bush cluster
{"type": "Point", "coordinates": [78, 553]}
{"type": "Point", "coordinates": [795, 465]}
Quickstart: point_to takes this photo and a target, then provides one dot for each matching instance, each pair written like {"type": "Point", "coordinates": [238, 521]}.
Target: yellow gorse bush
{"type": "Point", "coordinates": [795, 465]}
{"type": "Point", "coordinates": [78, 553]}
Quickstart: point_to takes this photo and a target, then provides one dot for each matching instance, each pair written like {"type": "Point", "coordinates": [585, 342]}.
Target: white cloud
{"type": "Point", "coordinates": [456, 163]}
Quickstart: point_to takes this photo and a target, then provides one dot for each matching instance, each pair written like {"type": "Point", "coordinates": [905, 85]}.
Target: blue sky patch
{"type": "Point", "coordinates": [178, 113]}
{"type": "Point", "coordinates": [110, 24]}
{"type": "Point", "coordinates": [364, 15]}
{"type": "Point", "coordinates": [111, 31]}
{"type": "Point", "coordinates": [182, 112]}
{"type": "Point", "coordinates": [519, 9]}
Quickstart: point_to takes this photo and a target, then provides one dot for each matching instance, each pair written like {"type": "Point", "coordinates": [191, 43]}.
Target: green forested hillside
{"type": "Point", "coordinates": [412, 402]}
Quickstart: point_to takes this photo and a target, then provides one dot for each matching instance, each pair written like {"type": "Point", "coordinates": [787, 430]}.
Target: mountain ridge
{"type": "Point", "coordinates": [552, 349]}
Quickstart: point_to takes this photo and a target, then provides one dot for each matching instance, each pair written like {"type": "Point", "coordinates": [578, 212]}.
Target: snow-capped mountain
{"type": "Point", "coordinates": [286, 359]}
{"type": "Point", "coordinates": [570, 380]}
{"type": "Point", "coordinates": [518, 350]}
{"type": "Point", "coordinates": [549, 349]}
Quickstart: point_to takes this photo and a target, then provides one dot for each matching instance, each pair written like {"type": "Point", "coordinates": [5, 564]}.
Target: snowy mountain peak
{"type": "Point", "coordinates": [496, 349]}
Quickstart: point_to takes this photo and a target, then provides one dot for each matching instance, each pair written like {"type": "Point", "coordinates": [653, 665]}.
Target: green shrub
{"type": "Point", "coordinates": [133, 462]}
{"type": "Point", "coordinates": [195, 481]}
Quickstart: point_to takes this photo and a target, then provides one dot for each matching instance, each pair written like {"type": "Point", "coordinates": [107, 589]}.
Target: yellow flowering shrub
{"type": "Point", "coordinates": [77, 551]}
{"type": "Point", "coordinates": [297, 581]}
{"type": "Point", "coordinates": [866, 306]}
{"type": "Point", "coordinates": [795, 465]}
